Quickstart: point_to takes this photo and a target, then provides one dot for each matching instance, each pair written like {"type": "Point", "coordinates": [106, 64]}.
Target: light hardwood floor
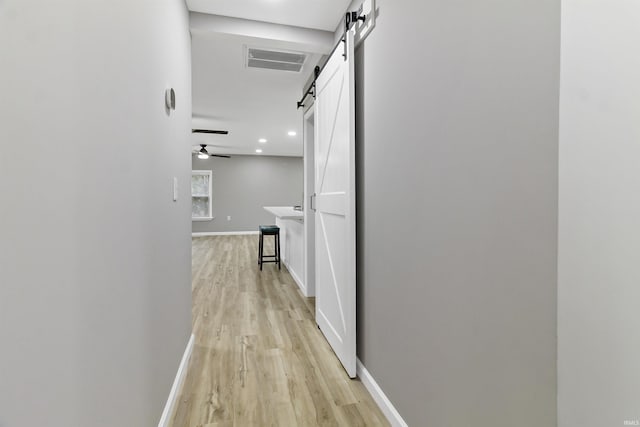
{"type": "Point", "coordinates": [259, 359]}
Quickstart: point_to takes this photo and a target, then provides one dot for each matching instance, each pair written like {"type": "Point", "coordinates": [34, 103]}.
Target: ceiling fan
{"type": "Point", "coordinates": [203, 154]}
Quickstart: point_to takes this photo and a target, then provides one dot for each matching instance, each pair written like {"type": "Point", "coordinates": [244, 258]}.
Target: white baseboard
{"type": "Point", "coordinates": [177, 385]}
{"type": "Point", "coordinates": [393, 416]}
{"type": "Point", "coordinates": [224, 233]}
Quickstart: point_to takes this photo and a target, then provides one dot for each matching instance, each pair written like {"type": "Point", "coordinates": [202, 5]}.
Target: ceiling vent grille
{"type": "Point", "coordinates": [275, 60]}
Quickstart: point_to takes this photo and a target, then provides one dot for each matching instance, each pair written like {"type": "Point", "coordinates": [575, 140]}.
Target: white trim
{"type": "Point", "coordinates": [309, 215]}
{"type": "Point", "coordinates": [209, 174]}
{"type": "Point", "coordinates": [224, 233]}
{"type": "Point", "coordinates": [209, 218]}
{"type": "Point", "coordinates": [385, 405]}
{"type": "Point", "coordinates": [177, 384]}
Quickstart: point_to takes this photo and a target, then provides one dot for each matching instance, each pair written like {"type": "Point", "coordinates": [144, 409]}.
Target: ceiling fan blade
{"type": "Point", "coordinates": [220, 155]}
{"type": "Point", "coordinates": [215, 132]}
{"type": "Point", "coordinates": [213, 145]}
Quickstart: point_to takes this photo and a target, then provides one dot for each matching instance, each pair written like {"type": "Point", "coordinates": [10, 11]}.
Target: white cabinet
{"type": "Point", "coordinates": [292, 247]}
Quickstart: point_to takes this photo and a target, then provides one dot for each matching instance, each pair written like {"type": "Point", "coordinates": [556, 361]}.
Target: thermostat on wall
{"type": "Point", "coordinates": [170, 99]}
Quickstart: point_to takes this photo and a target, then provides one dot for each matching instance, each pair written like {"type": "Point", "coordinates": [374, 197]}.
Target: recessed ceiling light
{"type": "Point", "coordinates": [258, 151]}
{"type": "Point", "coordinates": [292, 133]}
{"type": "Point", "coordinates": [262, 140]}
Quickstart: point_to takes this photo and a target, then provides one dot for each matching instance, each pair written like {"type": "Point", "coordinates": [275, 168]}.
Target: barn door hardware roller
{"type": "Point", "coordinates": [312, 87]}
{"type": "Point", "coordinates": [350, 19]}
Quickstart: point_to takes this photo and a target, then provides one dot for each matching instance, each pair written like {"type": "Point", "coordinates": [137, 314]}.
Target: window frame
{"type": "Point", "coordinates": [210, 216]}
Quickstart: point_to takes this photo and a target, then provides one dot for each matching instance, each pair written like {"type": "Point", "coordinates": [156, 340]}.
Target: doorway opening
{"type": "Point", "coordinates": [270, 326]}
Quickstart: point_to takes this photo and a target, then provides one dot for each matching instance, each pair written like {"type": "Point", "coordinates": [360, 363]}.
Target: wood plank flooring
{"type": "Point", "coordinates": [259, 359]}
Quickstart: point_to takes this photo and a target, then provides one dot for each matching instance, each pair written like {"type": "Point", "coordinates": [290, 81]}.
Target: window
{"type": "Point", "coordinates": [201, 209]}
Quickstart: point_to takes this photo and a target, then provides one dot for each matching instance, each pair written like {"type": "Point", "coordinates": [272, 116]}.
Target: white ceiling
{"type": "Point", "coordinates": [318, 14]}
{"type": "Point", "coordinates": [249, 103]}
{"type": "Point", "coordinates": [255, 103]}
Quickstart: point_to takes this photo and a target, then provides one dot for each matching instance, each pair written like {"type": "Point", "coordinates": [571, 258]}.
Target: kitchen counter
{"type": "Point", "coordinates": [285, 212]}
{"type": "Point", "coordinates": [291, 223]}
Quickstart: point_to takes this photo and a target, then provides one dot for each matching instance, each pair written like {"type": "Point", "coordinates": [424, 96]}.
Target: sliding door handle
{"type": "Point", "coordinates": [313, 200]}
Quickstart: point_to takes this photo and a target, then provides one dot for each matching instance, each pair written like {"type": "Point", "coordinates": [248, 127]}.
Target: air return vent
{"type": "Point", "coordinates": [275, 60]}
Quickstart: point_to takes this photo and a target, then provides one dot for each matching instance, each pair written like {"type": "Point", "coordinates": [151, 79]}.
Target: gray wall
{"type": "Point", "coordinates": [457, 180]}
{"type": "Point", "coordinates": [95, 257]}
{"type": "Point", "coordinates": [243, 185]}
{"type": "Point", "coordinates": [599, 251]}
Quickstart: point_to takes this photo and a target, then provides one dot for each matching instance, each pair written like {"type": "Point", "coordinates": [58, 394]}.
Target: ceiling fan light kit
{"type": "Point", "coordinates": [203, 154]}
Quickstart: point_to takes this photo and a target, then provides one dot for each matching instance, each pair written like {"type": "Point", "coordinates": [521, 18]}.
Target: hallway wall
{"type": "Point", "coordinates": [599, 268]}
{"type": "Point", "coordinates": [243, 185]}
{"type": "Point", "coordinates": [457, 208]}
{"type": "Point", "coordinates": [95, 289]}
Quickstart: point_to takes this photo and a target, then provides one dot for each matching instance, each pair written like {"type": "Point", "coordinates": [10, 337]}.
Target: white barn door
{"type": "Point", "coordinates": [335, 204]}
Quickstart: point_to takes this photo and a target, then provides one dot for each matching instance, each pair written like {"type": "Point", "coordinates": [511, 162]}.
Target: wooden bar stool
{"type": "Point", "coordinates": [269, 230]}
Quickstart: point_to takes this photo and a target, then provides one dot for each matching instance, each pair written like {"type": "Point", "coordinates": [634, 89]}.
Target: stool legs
{"type": "Point", "coordinates": [277, 245]}
{"type": "Point", "coordinates": [275, 256]}
{"type": "Point", "coordinates": [260, 249]}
